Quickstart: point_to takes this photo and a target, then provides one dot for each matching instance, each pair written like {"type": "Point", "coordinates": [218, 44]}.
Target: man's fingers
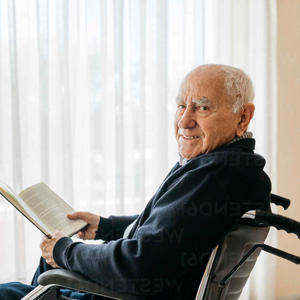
{"type": "Point", "coordinates": [43, 243]}
{"type": "Point", "coordinates": [77, 215]}
{"type": "Point", "coordinates": [44, 248]}
{"type": "Point", "coordinates": [81, 235]}
{"type": "Point", "coordinates": [58, 234]}
{"type": "Point", "coordinates": [73, 216]}
{"type": "Point", "coordinates": [50, 262]}
{"type": "Point", "coordinates": [45, 238]}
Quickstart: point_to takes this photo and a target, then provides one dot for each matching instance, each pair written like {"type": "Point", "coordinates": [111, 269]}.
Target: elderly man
{"type": "Point", "coordinates": [163, 251]}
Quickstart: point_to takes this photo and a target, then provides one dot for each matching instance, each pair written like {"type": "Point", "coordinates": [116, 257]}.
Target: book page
{"type": "Point", "coordinates": [51, 209]}
{"type": "Point", "coordinates": [8, 193]}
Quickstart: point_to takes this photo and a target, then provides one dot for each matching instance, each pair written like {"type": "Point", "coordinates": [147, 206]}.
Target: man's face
{"type": "Point", "coordinates": [203, 120]}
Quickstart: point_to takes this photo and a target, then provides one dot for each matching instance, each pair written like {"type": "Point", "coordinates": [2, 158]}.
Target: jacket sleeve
{"type": "Point", "coordinates": [113, 227]}
{"type": "Point", "coordinates": [189, 219]}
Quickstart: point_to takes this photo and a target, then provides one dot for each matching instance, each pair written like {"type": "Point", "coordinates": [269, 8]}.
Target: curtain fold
{"type": "Point", "coordinates": [19, 257]}
{"type": "Point", "coordinates": [87, 99]}
{"type": "Point", "coordinates": [43, 84]}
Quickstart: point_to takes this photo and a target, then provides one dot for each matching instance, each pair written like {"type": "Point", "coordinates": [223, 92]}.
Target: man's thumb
{"type": "Point", "coordinates": [75, 215]}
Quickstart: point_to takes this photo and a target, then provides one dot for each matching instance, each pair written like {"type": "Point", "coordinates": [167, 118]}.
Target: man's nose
{"type": "Point", "coordinates": [188, 119]}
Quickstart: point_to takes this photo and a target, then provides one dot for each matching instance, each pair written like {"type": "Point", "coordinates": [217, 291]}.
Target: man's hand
{"type": "Point", "coordinates": [89, 232]}
{"type": "Point", "coordinates": [47, 246]}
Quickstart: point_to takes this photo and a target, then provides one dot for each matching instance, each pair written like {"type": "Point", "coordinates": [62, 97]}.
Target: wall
{"type": "Point", "coordinates": [288, 159]}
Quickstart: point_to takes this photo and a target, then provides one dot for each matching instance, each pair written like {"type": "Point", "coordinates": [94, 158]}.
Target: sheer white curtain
{"type": "Point", "coordinates": [87, 93]}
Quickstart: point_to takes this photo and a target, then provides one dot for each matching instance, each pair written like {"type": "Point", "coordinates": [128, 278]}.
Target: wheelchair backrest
{"type": "Point", "coordinates": [236, 244]}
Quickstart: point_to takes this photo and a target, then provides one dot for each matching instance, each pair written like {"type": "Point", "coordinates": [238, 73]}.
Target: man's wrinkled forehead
{"type": "Point", "coordinates": [207, 83]}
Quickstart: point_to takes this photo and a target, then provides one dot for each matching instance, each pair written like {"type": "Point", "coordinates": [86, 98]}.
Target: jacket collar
{"type": "Point", "coordinates": [246, 143]}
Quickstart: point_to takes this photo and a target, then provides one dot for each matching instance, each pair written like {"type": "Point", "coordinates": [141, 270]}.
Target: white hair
{"type": "Point", "coordinates": [238, 86]}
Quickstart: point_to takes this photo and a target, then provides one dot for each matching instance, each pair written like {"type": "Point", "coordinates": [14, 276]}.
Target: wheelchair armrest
{"type": "Point", "coordinates": [78, 282]}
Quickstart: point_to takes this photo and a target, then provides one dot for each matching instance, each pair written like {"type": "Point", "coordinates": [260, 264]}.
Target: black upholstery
{"type": "Point", "coordinates": [237, 243]}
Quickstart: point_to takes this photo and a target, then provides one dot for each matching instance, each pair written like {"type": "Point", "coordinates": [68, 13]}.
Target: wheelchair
{"type": "Point", "coordinates": [225, 275]}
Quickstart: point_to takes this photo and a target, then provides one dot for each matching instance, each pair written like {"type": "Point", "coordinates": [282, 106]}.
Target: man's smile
{"type": "Point", "coordinates": [189, 137]}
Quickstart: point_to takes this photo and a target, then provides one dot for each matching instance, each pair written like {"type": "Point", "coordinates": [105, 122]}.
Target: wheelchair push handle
{"type": "Point", "coordinates": [292, 258]}
{"type": "Point", "coordinates": [280, 222]}
{"type": "Point", "coordinates": [278, 200]}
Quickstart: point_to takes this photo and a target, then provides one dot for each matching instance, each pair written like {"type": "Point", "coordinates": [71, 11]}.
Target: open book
{"type": "Point", "coordinates": [42, 207]}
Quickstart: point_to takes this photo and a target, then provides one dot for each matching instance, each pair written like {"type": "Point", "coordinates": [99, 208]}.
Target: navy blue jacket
{"type": "Point", "coordinates": [167, 249]}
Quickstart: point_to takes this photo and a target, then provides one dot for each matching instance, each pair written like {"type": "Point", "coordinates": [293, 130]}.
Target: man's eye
{"type": "Point", "coordinates": [180, 106]}
{"type": "Point", "coordinates": [203, 107]}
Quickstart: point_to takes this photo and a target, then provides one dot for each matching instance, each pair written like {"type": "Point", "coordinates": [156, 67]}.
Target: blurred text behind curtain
{"type": "Point", "coordinates": [87, 93]}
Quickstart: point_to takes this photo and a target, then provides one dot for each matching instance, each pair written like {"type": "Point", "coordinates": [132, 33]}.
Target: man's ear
{"type": "Point", "coordinates": [245, 118]}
